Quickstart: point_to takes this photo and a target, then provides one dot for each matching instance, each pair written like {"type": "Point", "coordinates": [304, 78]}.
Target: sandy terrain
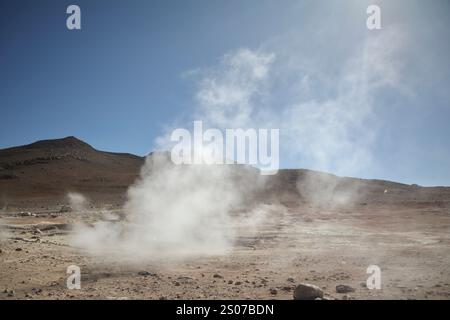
{"type": "Point", "coordinates": [403, 229]}
{"type": "Point", "coordinates": [411, 246]}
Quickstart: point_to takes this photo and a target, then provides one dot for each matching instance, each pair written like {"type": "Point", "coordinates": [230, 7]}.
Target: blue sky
{"type": "Point", "coordinates": [138, 68]}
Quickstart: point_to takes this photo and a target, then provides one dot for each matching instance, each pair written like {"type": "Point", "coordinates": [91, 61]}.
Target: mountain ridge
{"type": "Point", "coordinates": [46, 170]}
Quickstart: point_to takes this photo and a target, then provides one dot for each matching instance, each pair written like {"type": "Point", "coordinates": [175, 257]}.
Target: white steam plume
{"type": "Point", "coordinates": [172, 212]}
{"type": "Point", "coordinates": [327, 121]}
{"type": "Point", "coordinates": [77, 201]}
{"type": "Point", "coordinates": [179, 211]}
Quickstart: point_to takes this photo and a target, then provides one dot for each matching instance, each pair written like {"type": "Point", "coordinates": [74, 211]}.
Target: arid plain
{"type": "Point", "coordinates": [327, 241]}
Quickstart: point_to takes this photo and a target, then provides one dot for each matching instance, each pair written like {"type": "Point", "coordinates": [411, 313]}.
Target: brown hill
{"type": "Point", "coordinates": [46, 170]}
{"type": "Point", "coordinates": [43, 172]}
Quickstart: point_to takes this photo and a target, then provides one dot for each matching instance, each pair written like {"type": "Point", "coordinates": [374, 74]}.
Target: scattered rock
{"type": "Point", "coordinates": [238, 283]}
{"type": "Point", "coordinates": [306, 291]}
{"type": "Point", "coordinates": [11, 293]}
{"type": "Point", "coordinates": [184, 279]}
{"type": "Point", "coordinates": [25, 240]}
{"type": "Point", "coordinates": [342, 288]}
{"type": "Point", "coordinates": [18, 249]}
{"type": "Point", "coordinates": [145, 273]}
{"type": "Point", "coordinates": [65, 209]}
{"type": "Point", "coordinates": [273, 291]}
{"type": "Point", "coordinates": [290, 280]}
{"type": "Point", "coordinates": [216, 275]}
{"type": "Point", "coordinates": [36, 290]}
{"type": "Point", "coordinates": [25, 214]}
{"type": "Point", "coordinates": [230, 281]}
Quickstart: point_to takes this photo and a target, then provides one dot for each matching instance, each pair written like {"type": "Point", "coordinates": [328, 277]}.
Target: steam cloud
{"type": "Point", "coordinates": [172, 212]}
{"type": "Point", "coordinates": [77, 201]}
{"type": "Point", "coordinates": [326, 123]}
{"type": "Point", "coordinates": [183, 211]}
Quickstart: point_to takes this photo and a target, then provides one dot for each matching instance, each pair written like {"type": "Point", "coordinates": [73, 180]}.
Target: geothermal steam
{"type": "Point", "coordinates": [77, 201]}
{"type": "Point", "coordinates": [326, 124]}
{"type": "Point", "coordinates": [172, 212]}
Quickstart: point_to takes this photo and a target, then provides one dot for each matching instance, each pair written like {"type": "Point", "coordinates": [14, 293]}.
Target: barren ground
{"type": "Point", "coordinates": [410, 244]}
{"type": "Point", "coordinates": [403, 229]}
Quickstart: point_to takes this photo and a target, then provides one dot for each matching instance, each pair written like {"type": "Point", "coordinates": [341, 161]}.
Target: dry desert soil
{"type": "Point", "coordinates": [403, 229]}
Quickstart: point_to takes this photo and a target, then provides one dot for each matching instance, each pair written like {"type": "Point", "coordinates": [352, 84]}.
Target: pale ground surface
{"type": "Point", "coordinates": [308, 237]}
{"type": "Point", "coordinates": [410, 244]}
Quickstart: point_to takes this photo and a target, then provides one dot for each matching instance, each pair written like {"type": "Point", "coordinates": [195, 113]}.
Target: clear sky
{"type": "Point", "coordinates": [372, 104]}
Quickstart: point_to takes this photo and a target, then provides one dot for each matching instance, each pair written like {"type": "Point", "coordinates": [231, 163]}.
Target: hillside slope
{"type": "Point", "coordinates": [44, 172]}
{"type": "Point", "coordinates": [48, 169]}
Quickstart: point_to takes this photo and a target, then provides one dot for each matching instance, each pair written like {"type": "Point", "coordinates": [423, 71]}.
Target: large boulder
{"type": "Point", "coordinates": [306, 291]}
